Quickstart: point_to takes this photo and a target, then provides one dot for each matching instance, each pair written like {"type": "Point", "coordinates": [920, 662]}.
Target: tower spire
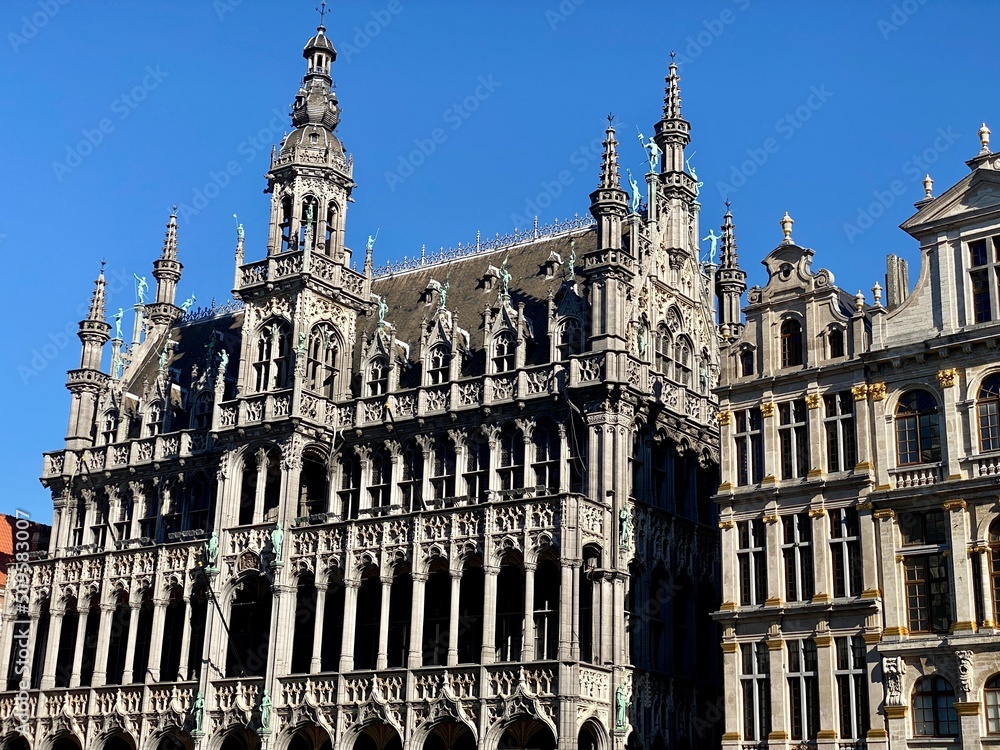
{"type": "Point", "coordinates": [672, 93]}
{"type": "Point", "coordinates": [673, 132]}
{"type": "Point", "coordinates": [86, 381]}
{"type": "Point", "coordinates": [610, 173]}
{"type": "Point", "coordinates": [730, 280]}
{"type": "Point", "coordinates": [97, 299]}
{"type": "Point", "coordinates": [728, 258]}
{"type": "Point", "coordinates": [167, 272]}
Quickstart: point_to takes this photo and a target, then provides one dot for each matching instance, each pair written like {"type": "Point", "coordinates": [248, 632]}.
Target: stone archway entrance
{"type": "Point", "coordinates": [527, 734]}
{"type": "Point", "coordinates": [450, 735]}
{"type": "Point", "coordinates": [378, 737]}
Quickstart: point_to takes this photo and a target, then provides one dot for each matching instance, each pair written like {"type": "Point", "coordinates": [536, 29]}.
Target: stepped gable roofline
{"type": "Point", "coordinates": [977, 195]}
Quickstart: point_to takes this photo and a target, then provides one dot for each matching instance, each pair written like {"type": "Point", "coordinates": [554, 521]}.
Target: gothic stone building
{"type": "Point", "coordinates": [459, 503]}
{"type": "Point", "coordinates": [859, 516]}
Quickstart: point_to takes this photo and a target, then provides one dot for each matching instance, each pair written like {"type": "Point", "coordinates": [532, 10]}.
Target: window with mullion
{"type": "Point", "coordinates": [918, 438]}
{"type": "Point", "coordinates": [928, 593]}
{"type": "Point", "coordinates": [983, 274]}
{"type": "Point", "coordinates": [803, 689]}
{"type": "Point", "coordinates": [411, 479]}
{"type": "Point", "coordinates": [751, 555]}
{"type": "Point", "coordinates": [841, 438]}
{"type": "Point", "coordinates": [443, 470]}
{"type": "Point", "coordinates": [511, 466]}
{"type": "Point", "coordinates": [749, 446]}
{"type": "Point", "coordinates": [755, 689]}
{"type": "Point", "coordinates": [934, 712]}
{"type": "Point", "coordinates": [852, 687]}
{"type": "Point", "coordinates": [794, 438]}
{"type": "Point", "coordinates": [845, 548]}
{"type": "Point", "coordinates": [796, 551]}
{"type": "Point", "coordinates": [988, 410]}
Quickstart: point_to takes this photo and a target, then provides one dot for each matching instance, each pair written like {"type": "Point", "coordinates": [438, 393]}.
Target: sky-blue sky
{"type": "Point", "coordinates": [111, 112]}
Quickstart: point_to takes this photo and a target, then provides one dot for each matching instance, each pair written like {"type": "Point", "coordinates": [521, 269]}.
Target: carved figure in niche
{"type": "Point", "coordinates": [625, 528]}
{"type": "Point", "coordinates": [265, 712]}
{"type": "Point", "coordinates": [622, 703]}
{"type": "Point", "coordinates": [212, 551]}
{"type": "Point", "coordinates": [198, 713]}
{"type": "Point", "coordinates": [277, 540]}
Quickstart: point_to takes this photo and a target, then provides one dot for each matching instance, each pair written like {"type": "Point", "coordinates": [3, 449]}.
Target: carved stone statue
{"type": "Point", "coordinates": [223, 361]}
{"type": "Point", "coordinates": [643, 340]}
{"type": "Point", "coordinates": [697, 185]}
{"type": "Point", "coordinates": [383, 309]}
{"type": "Point", "coordinates": [371, 243]}
{"type": "Point", "coordinates": [118, 323]}
{"type": "Point", "coordinates": [198, 713]}
{"type": "Point", "coordinates": [141, 288]}
{"type": "Point", "coordinates": [118, 366]}
{"type": "Point", "coordinates": [443, 294]}
{"type": "Point", "coordinates": [655, 152]}
{"type": "Point", "coordinates": [713, 238]}
{"type": "Point", "coordinates": [164, 356]}
{"type": "Point", "coordinates": [625, 529]}
{"type": "Point", "coordinates": [186, 305]}
{"type": "Point", "coordinates": [505, 278]}
{"type": "Point", "coordinates": [212, 551]}
{"type": "Point", "coordinates": [265, 712]}
{"type": "Point", "coordinates": [277, 540]}
{"type": "Point", "coordinates": [622, 703]}
{"type": "Point", "coordinates": [636, 195]}
{"type": "Point", "coordinates": [571, 264]}
{"type": "Point", "coordinates": [892, 671]}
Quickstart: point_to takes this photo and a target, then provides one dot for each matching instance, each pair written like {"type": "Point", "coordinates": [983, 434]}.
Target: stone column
{"type": "Point", "coordinates": [769, 435]}
{"type": "Point", "coordinates": [350, 625]}
{"type": "Point", "coordinates": [489, 611]}
{"type": "Point", "coordinates": [961, 565]}
{"type": "Point", "coordinates": [564, 458]}
{"type": "Point", "coordinates": [986, 582]}
{"type": "Point", "coordinates": [731, 695]}
{"type": "Point", "coordinates": [282, 626]}
{"type": "Point", "coordinates": [881, 428]}
{"type": "Point", "coordinates": [52, 648]}
{"type": "Point", "coordinates": [822, 571]}
{"type": "Point", "coordinates": [453, 616]}
{"type": "Point", "coordinates": [156, 641]}
{"type": "Point", "coordinates": [862, 427]}
{"type": "Point", "coordinates": [778, 738]}
{"type": "Point", "coordinates": [817, 468]}
{"type": "Point", "coordinates": [575, 611]}
{"type": "Point", "coordinates": [415, 656]}
{"type": "Point", "coordinates": [826, 737]}
{"type": "Point", "coordinates": [133, 626]}
{"type": "Point", "coordinates": [952, 438]}
{"type": "Point", "coordinates": [81, 636]}
{"type": "Point", "coordinates": [316, 660]}
{"type": "Point", "coordinates": [730, 583]}
{"type": "Point", "coordinates": [878, 735]}
{"type": "Point", "coordinates": [969, 724]}
{"type": "Point", "coordinates": [727, 462]}
{"type": "Point", "coordinates": [528, 630]}
{"type": "Point", "coordinates": [893, 611]}
{"type": "Point", "coordinates": [182, 670]}
{"type": "Point", "coordinates": [772, 553]}
{"type": "Point", "coordinates": [565, 610]}
{"type": "Point", "coordinates": [382, 660]}
{"type": "Point", "coordinates": [869, 551]}
{"type": "Point", "coordinates": [100, 675]}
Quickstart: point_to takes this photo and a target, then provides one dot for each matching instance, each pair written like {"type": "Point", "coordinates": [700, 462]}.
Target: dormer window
{"type": "Point", "coordinates": [835, 340]}
{"type": "Point", "coordinates": [746, 363]}
{"type": "Point", "coordinates": [378, 376]}
{"type": "Point", "coordinates": [791, 343]}
{"type": "Point", "coordinates": [983, 272]}
{"type": "Point", "coordinates": [504, 347]}
{"type": "Point", "coordinates": [437, 365]}
{"type": "Point", "coordinates": [570, 338]}
{"type": "Point", "coordinates": [154, 419]}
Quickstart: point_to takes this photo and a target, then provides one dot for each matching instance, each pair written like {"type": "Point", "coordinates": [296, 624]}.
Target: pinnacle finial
{"type": "Point", "coordinates": [97, 308]}
{"type": "Point", "coordinates": [322, 13]}
{"type": "Point", "coordinates": [610, 176]}
{"type": "Point", "coordinates": [728, 258]}
{"type": "Point", "coordinates": [984, 139]}
{"type": "Point", "coordinates": [928, 186]}
{"type": "Point", "coordinates": [786, 227]}
{"type": "Point", "coordinates": [170, 240]}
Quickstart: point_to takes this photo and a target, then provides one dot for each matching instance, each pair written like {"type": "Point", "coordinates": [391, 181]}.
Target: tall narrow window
{"type": "Point", "coordinates": [443, 469]}
{"type": "Point", "coordinates": [928, 588]}
{"type": "Point", "coordinates": [272, 358]}
{"type": "Point", "coordinates": [510, 612]}
{"type": "Point", "coordinates": [378, 376]}
{"type": "Point", "coordinates": [569, 337]}
{"type": "Point", "coordinates": [803, 689]}
{"type": "Point", "coordinates": [845, 550]}
{"type": "Point", "coordinates": [988, 409]}
{"type": "Point", "coordinates": [794, 438]}
{"type": "Point", "coordinates": [749, 446]}
{"type": "Point", "coordinates": [835, 340]}
{"type": "Point", "coordinates": [545, 461]}
{"type": "Point", "coordinates": [995, 567]}
{"type": "Point", "coordinates": [991, 692]}
{"type": "Point", "coordinates": [154, 419]}
{"type": "Point", "coordinates": [934, 712]}
{"type": "Point", "coordinates": [752, 562]}
{"type": "Point", "coordinates": [918, 438]}
{"type": "Point", "coordinates": [852, 687]}
{"type": "Point", "coordinates": [662, 356]}
{"type": "Point", "coordinates": [546, 614]}
{"type": "Point", "coordinates": [796, 551]}
{"type": "Point", "coordinates": [381, 479]}
{"type": "Point", "coordinates": [477, 464]}
{"type": "Point", "coordinates": [109, 426]}
{"type": "Point", "coordinates": [755, 691]}
{"type": "Point", "coordinates": [349, 493]}
{"type": "Point", "coordinates": [511, 465]}
{"type": "Point", "coordinates": [682, 362]}
{"type": "Point", "coordinates": [983, 270]}
{"type": "Point", "coordinates": [504, 347]}
{"type": "Point", "coordinates": [841, 438]}
{"type": "Point", "coordinates": [412, 478]}
{"type": "Point", "coordinates": [437, 365]}
{"type": "Point", "coordinates": [321, 360]}
{"type": "Point", "coordinates": [791, 343]}
{"type": "Point", "coordinates": [201, 411]}
{"type": "Point", "coordinates": [746, 363]}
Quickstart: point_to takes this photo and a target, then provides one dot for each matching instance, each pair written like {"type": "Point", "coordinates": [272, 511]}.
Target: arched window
{"type": "Point", "coordinates": [201, 411]}
{"type": "Point", "coordinates": [307, 223]}
{"type": "Point", "coordinates": [934, 712]}
{"type": "Point", "coordinates": [504, 347]}
{"type": "Point", "coordinates": [682, 362]}
{"type": "Point", "coordinates": [995, 565]}
{"type": "Point", "coordinates": [835, 340]}
{"type": "Point", "coordinates": [272, 357]}
{"type": "Point", "coordinates": [746, 363]}
{"type": "Point", "coordinates": [569, 339]}
{"type": "Point", "coordinates": [437, 365]}
{"type": "Point", "coordinates": [991, 694]}
{"type": "Point", "coordinates": [918, 439]}
{"type": "Point", "coordinates": [109, 426]}
{"type": "Point", "coordinates": [331, 227]}
{"type": "Point", "coordinates": [321, 360]}
{"type": "Point", "coordinates": [663, 351]}
{"type": "Point", "coordinates": [154, 419]}
{"type": "Point", "coordinates": [988, 407]}
{"type": "Point", "coordinates": [261, 486]}
{"type": "Point", "coordinates": [285, 225]}
{"type": "Point", "coordinates": [791, 343]}
{"type": "Point", "coordinates": [378, 376]}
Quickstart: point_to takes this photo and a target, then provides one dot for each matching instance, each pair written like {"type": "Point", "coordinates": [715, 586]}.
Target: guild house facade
{"type": "Point", "coordinates": [460, 502]}
{"type": "Point", "coordinates": [859, 517]}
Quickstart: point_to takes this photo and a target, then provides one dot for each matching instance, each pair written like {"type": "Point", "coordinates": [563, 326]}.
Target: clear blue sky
{"type": "Point", "coordinates": [814, 108]}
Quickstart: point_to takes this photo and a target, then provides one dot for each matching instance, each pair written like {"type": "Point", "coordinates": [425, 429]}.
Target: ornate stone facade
{"type": "Point", "coordinates": [858, 510]}
{"type": "Point", "coordinates": [463, 504]}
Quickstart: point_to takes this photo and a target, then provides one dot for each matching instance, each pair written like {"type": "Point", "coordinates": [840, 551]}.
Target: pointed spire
{"type": "Point", "coordinates": [97, 300]}
{"type": "Point", "coordinates": [610, 174]}
{"type": "Point", "coordinates": [672, 94]}
{"type": "Point", "coordinates": [728, 258]}
{"type": "Point", "coordinates": [170, 240]}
